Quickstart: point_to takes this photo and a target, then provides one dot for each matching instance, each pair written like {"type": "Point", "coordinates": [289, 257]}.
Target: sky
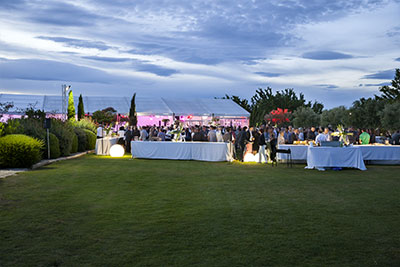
{"type": "Point", "coordinates": [332, 51]}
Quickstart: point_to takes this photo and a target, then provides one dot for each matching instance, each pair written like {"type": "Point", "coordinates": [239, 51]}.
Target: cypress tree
{"type": "Point", "coordinates": [71, 106]}
{"type": "Point", "coordinates": [81, 111]}
{"type": "Point", "coordinates": [132, 112]}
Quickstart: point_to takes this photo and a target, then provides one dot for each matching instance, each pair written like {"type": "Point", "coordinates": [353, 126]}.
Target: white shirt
{"type": "Point", "coordinates": [99, 131]}
{"type": "Point", "coordinates": [220, 137]}
{"type": "Point", "coordinates": [321, 138]}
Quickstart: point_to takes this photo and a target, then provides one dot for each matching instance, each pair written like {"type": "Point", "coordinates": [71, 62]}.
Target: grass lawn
{"type": "Point", "coordinates": [122, 212]}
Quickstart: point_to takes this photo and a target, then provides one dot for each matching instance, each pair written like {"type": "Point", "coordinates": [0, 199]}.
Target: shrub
{"type": "Point", "coordinates": [91, 137]}
{"type": "Point", "coordinates": [82, 139]}
{"type": "Point", "coordinates": [65, 134]}
{"type": "Point", "coordinates": [74, 147]}
{"type": "Point", "coordinates": [33, 128]}
{"type": "Point", "coordinates": [13, 127]}
{"type": "Point", "coordinates": [19, 151]}
{"type": "Point", "coordinates": [54, 147]}
{"type": "Point", "coordinates": [85, 123]}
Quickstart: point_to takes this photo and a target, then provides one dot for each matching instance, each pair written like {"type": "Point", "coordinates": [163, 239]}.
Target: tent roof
{"type": "Point", "coordinates": [144, 105]}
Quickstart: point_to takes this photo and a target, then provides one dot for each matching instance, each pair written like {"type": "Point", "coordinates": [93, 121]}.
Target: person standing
{"type": "Point", "coordinates": [364, 137]}
{"type": "Point", "coordinates": [100, 131]}
{"type": "Point", "coordinates": [212, 135]}
{"type": "Point", "coordinates": [128, 139]}
{"type": "Point", "coordinates": [262, 146]}
{"type": "Point", "coordinates": [220, 137]}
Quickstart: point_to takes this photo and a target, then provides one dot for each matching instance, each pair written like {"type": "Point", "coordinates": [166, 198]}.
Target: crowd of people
{"type": "Point", "coordinates": [262, 140]}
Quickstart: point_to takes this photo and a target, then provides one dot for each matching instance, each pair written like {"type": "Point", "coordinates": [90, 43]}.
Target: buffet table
{"type": "Point", "coordinates": [375, 154]}
{"type": "Point", "coordinates": [341, 157]}
{"type": "Point", "coordinates": [103, 145]}
{"type": "Point", "coordinates": [205, 151]}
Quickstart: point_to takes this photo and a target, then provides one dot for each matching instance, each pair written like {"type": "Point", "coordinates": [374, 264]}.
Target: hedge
{"type": "Point", "coordinates": [91, 137]}
{"type": "Point", "coordinates": [65, 134]}
{"type": "Point", "coordinates": [74, 147]}
{"type": "Point", "coordinates": [54, 147]}
{"type": "Point", "coordinates": [82, 139]}
{"type": "Point", "coordinates": [20, 151]}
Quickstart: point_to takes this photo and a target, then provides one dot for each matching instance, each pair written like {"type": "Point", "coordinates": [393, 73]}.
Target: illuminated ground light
{"type": "Point", "coordinates": [117, 151]}
{"type": "Point", "coordinates": [249, 157]}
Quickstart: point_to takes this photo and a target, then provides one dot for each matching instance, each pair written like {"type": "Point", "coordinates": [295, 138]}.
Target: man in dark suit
{"type": "Point", "coordinates": [242, 140]}
{"type": "Point", "coordinates": [311, 134]}
{"type": "Point", "coordinates": [128, 139]}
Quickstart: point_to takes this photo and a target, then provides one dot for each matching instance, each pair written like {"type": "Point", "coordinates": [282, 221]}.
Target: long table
{"type": "Point", "coordinates": [373, 154]}
{"type": "Point", "coordinates": [204, 151]}
{"type": "Point", "coordinates": [103, 145]}
{"type": "Point", "coordinates": [346, 157]}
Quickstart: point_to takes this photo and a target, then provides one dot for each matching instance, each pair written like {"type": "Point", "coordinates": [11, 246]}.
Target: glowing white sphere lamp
{"type": "Point", "coordinates": [117, 151]}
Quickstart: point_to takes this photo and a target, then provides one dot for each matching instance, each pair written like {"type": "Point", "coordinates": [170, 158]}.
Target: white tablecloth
{"type": "Point", "coordinates": [299, 152]}
{"type": "Point", "coordinates": [204, 151]}
{"type": "Point", "coordinates": [349, 157]}
{"type": "Point", "coordinates": [388, 154]}
{"type": "Point", "coordinates": [103, 145]}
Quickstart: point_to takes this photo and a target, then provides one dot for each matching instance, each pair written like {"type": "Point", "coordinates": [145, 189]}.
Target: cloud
{"type": "Point", "coordinates": [326, 55]}
{"type": "Point", "coordinates": [397, 59]}
{"type": "Point", "coordinates": [107, 59]}
{"type": "Point", "coordinates": [61, 14]}
{"type": "Point", "coordinates": [79, 43]}
{"type": "Point", "coordinates": [157, 70]}
{"type": "Point", "coordinates": [377, 84]}
{"type": "Point", "coordinates": [381, 75]}
{"type": "Point", "coordinates": [47, 70]}
{"type": "Point", "coordinates": [268, 74]}
{"type": "Point", "coordinates": [328, 86]}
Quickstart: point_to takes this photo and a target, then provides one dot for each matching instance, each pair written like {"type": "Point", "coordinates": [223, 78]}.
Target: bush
{"type": "Point", "coordinates": [54, 147]}
{"type": "Point", "coordinates": [65, 134]}
{"type": "Point", "coordinates": [33, 128]}
{"type": "Point", "coordinates": [82, 139]}
{"type": "Point", "coordinates": [85, 123]}
{"type": "Point", "coordinates": [74, 147]}
{"type": "Point", "coordinates": [13, 127]}
{"type": "Point", "coordinates": [19, 151]}
{"type": "Point", "coordinates": [91, 137]}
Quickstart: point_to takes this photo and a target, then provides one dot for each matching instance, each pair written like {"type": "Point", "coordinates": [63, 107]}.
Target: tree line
{"type": "Point", "coordinates": [380, 111]}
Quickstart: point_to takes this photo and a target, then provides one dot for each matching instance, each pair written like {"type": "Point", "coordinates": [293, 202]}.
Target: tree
{"type": "Point", "coordinates": [365, 113]}
{"type": "Point", "coordinates": [5, 107]}
{"type": "Point", "coordinates": [390, 116]}
{"type": "Point", "coordinates": [279, 117]}
{"type": "Point", "coordinates": [316, 106]}
{"type": "Point", "coordinates": [71, 106]}
{"type": "Point", "coordinates": [305, 117]}
{"type": "Point", "coordinates": [335, 116]}
{"type": "Point", "coordinates": [391, 93]}
{"type": "Point", "coordinates": [81, 111]}
{"type": "Point", "coordinates": [106, 115]}
{"type": "Point", "coordinates": [132, 111]}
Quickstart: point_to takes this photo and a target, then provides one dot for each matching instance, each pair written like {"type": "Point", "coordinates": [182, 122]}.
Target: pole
{"type": "Point", "coordinates": [48, 144]}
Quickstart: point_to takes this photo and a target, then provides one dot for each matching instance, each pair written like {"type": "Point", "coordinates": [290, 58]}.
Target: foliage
{"type": "Point", "coordinates": [65, 134]}
{"type": "Point", "coordinates": [81, 111]}
{"type": "Point", "coordinates": [54, 147]}
{"type": "Point", "coordinates": [391, 116]}
{"type": "Point", "coordinates": [91, 140]}
{"type": "Point", "coordinates": [74, 146]}
{"type": "Point", "coordinates": [71, 106]}
{"type": "Point", "coordinates": [305, 117]}
{"type": "Point", "coordinates": [5, 107]}
{"type": "Point", "coordinates": [244, 103]}
{"type": "Point", "coordinates": [85, 123]}
{"type": "Point", "coordinates": [105, 116]}
{"type": "Point", "coordinates": [132, 111]}
{"type": "Point", "coordinates": [2, 127]}
{"type": "Point", "coordinates": [316, 106]}
{"type": "Point", "coordinates": [13, 126]}
{"type": "Point", "coordinates": [334, 116]}
{"type": "Point", "coordinates": [279, 116]}
{"type": "Point", "coordinates": [365, 113]}
{"type": "Point", "coordinates": [32, 127]}
{"type": "Point", "coordinates": [19, 151]}
{"type": "Point", "coordinates": [33, 113]}
{"type": "Point", "coordinates": [82, 139]}
{"type": "Point", "coordinates": [391, 93]}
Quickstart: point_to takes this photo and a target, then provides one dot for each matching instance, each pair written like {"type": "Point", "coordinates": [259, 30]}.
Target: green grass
{"type": "Point", "coordinates": [99, 211]}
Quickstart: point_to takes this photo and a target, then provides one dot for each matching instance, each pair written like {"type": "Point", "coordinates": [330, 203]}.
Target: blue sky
{"type": "Point", "coordinates": [332, 51]}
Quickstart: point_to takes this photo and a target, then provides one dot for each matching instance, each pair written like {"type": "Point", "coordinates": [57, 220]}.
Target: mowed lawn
{"type": "Point", "coordinates": [99, 211]}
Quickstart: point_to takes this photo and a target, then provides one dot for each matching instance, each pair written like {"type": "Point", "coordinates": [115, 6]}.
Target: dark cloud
{"type": "Point", "coordinates": [157, 70]}
{"type": "Point", "coordinates": [326, 55]}
{"type": "Point", "coordinates": [397, 59]}
{"type": "Point", "coordinates": [328, 86]}
{"type": "Point", "coordinates": [268, 74]}
{"type": "Point", "coordinates": [377, 84]}
{"type": "Point", "coordinates": [47, 70]}
{"type": "Point", "coordinates": [107, 59]}
{"type": "Point", "coordinates": [381, 75]}
{"type": "Point", "coordinates": [71, 42]}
